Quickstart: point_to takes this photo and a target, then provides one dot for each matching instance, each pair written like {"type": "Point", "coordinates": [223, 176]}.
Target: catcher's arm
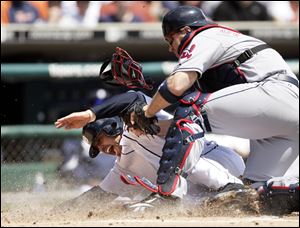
{"type": "Point", "coordinates": [171, 91]}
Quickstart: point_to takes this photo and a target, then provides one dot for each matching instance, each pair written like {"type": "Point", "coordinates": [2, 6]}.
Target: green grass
{"type": "Point", "coordinates": [21, 176]}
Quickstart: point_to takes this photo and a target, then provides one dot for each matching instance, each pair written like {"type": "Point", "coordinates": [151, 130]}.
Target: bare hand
{"type": "Point", "coordinates": [75, 120]}
{"type": "Point", "coordinates": [145, 108]}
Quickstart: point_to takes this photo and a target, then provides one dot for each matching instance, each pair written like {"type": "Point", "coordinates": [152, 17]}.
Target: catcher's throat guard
{"type": "Point", "coordinates": [124, 71]}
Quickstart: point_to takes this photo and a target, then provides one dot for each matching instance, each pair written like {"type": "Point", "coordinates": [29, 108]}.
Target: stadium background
{"type": "Point", "coordinates": [49, 69]}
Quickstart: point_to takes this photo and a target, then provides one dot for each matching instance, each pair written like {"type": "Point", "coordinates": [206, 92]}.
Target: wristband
{"type": "Point", "coordinates": [166, 93]}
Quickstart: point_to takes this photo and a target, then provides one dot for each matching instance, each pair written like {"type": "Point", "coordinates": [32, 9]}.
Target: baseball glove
{"type": "Point", "coordinates": [141, 122]}
{"type": "Point", "coordinates": [124, 71]}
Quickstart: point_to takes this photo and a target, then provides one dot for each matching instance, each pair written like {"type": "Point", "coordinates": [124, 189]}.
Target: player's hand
{"type": "Point", "coordinates": [145, 108]}
{"type": "Point", "coordinates": [140, 122]}
{"type": "Point", "coordinates": [75, 120]}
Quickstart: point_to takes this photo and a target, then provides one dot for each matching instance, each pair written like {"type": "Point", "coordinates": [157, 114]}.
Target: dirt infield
{"type": "Point", "coordinates": [69, 208]}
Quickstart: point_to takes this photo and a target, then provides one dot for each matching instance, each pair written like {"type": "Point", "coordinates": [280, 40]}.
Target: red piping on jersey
{"type": "Point", "coordinates": [195, 32]}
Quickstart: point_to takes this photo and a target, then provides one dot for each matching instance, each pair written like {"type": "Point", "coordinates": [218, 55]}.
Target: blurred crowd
{"type": "Point", "coordinates": [90, 13]}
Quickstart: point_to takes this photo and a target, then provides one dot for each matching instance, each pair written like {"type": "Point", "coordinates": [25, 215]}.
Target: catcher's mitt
{"type": "Point", "coordinates": [124, 71]}
{"type": "Point", "coordinates": [141, 122]}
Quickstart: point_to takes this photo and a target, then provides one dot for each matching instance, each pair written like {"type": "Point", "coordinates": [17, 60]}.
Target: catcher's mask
{"type": "Point", "coordinates": [124, 71]}
{"type": "Point", "coordinates": [91, 132]}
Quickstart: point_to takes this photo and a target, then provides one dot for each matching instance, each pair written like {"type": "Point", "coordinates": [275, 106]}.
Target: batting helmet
{"type": "Point", "coordinates": [109, 126]}
{"type": "Point", "coordinates": [182, 16]}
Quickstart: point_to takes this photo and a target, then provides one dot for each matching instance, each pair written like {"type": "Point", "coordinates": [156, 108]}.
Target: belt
{"type": "Point", "coordinates": [289, 79]}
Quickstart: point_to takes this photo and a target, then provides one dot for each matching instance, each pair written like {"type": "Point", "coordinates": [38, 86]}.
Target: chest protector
{"type": "Point", "coordinates": [220, 77]}
{"type": "Point", "coordinates": [216, 78]}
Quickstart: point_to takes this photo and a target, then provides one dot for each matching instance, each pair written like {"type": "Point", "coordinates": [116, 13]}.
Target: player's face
{"type": "Point", "coordinates": [108, 144]}
{"type": "Point", "coordinates": [174, 40]}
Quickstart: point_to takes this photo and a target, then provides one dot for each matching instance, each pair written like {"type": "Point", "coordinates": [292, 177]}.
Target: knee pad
{"type": "Point", "coordinates": [191, 105]}
{"type": "Point", "coordinates": [179, 142]}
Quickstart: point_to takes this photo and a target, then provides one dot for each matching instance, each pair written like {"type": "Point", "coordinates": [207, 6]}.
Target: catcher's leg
{"type": "Point", "coordinates": [180, 154]}
{"type": "Point", "coordinates": [280, 196]}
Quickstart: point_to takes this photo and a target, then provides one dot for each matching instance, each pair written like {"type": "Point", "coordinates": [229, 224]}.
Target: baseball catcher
{"type": "Point", "coordinates": [252, 94]}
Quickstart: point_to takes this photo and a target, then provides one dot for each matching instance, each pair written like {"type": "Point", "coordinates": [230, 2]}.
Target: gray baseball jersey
{"type": "Point", "coordinates": [264, 110]}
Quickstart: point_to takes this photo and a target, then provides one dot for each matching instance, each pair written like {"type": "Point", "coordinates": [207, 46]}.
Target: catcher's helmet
{"type": "Point", "coordinates": [182, 16]}
{"type": "Point", "coordinates": [110, 126]}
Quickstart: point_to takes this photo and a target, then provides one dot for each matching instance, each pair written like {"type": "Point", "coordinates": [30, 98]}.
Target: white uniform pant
{"type": "Point", "coordinates": [267, 113]}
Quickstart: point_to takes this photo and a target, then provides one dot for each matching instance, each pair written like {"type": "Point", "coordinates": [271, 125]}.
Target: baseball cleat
{"type": "Point", "coordinates": [234, 197]}
{"type": "Point", "coordinates": [154, 200]}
